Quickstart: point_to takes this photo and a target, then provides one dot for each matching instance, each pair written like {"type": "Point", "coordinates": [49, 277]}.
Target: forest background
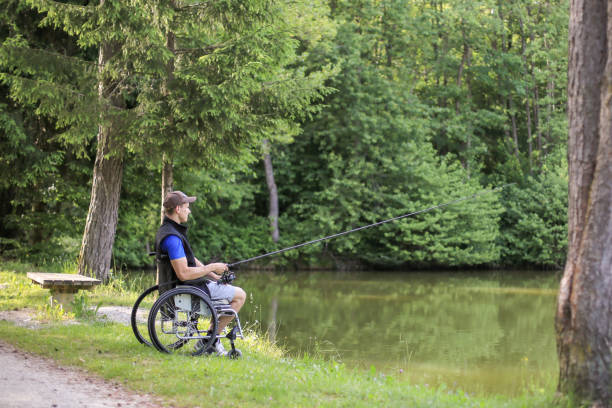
{"type": "Point", "coordinates": [360, 110]}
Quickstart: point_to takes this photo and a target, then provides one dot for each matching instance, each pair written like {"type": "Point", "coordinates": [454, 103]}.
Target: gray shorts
{"type": "Point", "coordinates": [220, 291]}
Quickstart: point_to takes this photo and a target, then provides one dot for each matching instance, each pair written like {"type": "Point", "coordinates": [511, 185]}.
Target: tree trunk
{"type": "Point", "coordinates": [101, 225]}
{"type": "Point", "coordinates": [272, 190]}
{"type": "Point", "coordinates": [527, 107]}
{"type": "Point", "coordinates": [272, 328]}
{"type": "Point", "coordinates": [584, 335]}
{"type": "Point", "coordinates": [514, 130]}
{"type": "Point", "coordinates": [529, 136]}
{"type": "Point", "coordinates": [536, 117]}
{"type": "Point", "coordinates": [167, 183]}
{"type": "Point", "coordinates": [465, 61]}
{"type": "Point", "coordinates": [509, 103]}
{"type": "Point", "coordinates": [550, 93]}
{"type": "Point", "coordinates": [536, 109]}
{"type": "Point", "coordinates": [167, 179]}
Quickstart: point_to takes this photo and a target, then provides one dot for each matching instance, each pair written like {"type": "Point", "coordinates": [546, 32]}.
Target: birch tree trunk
{"type": "Point", "coordinates": [99, 235]}
{"type": "Point", "coordinates": [584, 309]}
{"type": "Point", "coordinates": [273, 215]}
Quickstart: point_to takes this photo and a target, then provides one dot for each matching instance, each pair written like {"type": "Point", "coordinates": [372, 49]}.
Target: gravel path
{"type": "Point", "coordinates": [31, 381]}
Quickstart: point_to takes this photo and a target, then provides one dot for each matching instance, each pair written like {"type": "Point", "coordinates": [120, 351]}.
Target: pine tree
{"type": "Point", "coordinates": [193, 81]}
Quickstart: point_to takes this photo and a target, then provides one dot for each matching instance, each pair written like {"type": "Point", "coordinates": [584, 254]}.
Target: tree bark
{"type": "Point", "coordinates": [167, 171]}
{"type": "Point", "coordinates": [465, 61]}
{"type": "Point", "coordinates": [527, 107]}
{"type": "Point", "coordinates": [514, 129]}
{"type": "Point", "coordinates": [509, 103]}
{"type": "Point", "coordinates": [550, 93]}
{"type": "Point", "coordinates": [536, 116]}
{"type": "Point", "coordinates": [272, 190]}
{"type": "Point", "coordinates": [101, 225]}
{"type": "Point", "coordinates": [167, 182]}
{"type": "Point", "coordinates": [529, 136]}
{"type": "Point", "coordinates": [272, 328]}
{"type": "Point", "coordinates": [584, 332]}
{"type": "Point", "coordinates": [536, 104]}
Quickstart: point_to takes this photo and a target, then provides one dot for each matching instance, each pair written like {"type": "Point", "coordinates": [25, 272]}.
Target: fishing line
{"type": "Point", "coordinates": [468, 197]}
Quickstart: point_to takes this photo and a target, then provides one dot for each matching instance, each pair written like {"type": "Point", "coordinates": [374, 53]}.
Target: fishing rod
{"type": "Point", "coordinates": [466, 198]}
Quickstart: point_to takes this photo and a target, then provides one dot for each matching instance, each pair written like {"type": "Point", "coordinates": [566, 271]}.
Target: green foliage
{"type": "Point", "coordinates": [139, 215]}
{"type": "Point", "coordinates": [223, 226]}
{"type": "Point", "coordinates": [44, 190]}
{"type": "Point", "coordinates": [372, 111]}
{"type": "Point", "coordinates": [228, 85]}
{"type": "Point", "coordinates": [45, 185]}
{"type": "Point", "coordinates": [369, 158]}
{"type": "Point", "coordinates": [534, 224]}
{"type": "Point", "coordinates": [52, 312]}
{"type": "Point", "coordinates": [82, 307]}
{"type": "Point", "coordinates": [17, 288]}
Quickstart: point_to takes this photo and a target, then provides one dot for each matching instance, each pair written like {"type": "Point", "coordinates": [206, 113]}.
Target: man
{"type": "Point", "coordinates": [181, 264]}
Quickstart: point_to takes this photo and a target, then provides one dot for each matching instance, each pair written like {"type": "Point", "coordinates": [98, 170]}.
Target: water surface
{"type": "Point", "coordinates": [479, 332]}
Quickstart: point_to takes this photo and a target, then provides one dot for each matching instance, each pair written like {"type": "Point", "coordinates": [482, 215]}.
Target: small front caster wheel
{"type": "Point", "coordinates": [234, 354]}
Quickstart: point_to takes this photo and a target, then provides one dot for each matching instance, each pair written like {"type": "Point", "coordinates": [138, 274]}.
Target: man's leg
{"type": "Point", "coordinates": [236, 304]}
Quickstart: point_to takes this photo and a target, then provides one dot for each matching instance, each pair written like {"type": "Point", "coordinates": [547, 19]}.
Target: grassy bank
{"type": "Point", "coordinates": [263, 377]}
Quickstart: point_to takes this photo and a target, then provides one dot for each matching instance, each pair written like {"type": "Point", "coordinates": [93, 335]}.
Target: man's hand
{"type": "Point", "coordinates": [217, 269]}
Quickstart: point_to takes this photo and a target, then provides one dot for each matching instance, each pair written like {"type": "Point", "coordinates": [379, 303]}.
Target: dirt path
{"type": "Point", "coordinates": [31, 381]}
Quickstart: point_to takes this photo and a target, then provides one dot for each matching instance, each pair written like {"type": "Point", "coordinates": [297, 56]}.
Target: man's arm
{"type": "Point", "coordinates": [215, 273]}
{"type": "Point", "coordinates": [185, 272]}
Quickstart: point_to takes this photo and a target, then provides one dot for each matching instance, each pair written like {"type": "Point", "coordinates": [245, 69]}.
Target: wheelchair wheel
{"type": "Point", "coordinates": [140, 314]}
{"type": "Point", "coordinates": [183, 321]}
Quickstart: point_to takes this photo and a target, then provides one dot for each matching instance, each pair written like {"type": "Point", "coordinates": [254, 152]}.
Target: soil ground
{"type": "Point", "coordinates": [31, 381]}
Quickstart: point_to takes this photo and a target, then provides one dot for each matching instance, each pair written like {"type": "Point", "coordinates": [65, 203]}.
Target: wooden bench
{"type": "Point", "coordinates": [63, 286]}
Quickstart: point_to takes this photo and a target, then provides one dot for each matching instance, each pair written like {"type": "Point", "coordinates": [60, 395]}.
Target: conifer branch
{"type": "Point", "coordinates": [203, 51]}
{"type": "Point", "coordinates": [190, 7]}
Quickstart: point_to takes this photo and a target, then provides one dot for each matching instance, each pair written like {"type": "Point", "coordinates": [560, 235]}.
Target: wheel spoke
{"type": "Point", "coordinates": [185, 337]}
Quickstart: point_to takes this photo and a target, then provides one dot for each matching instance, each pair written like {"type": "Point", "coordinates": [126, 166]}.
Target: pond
{"type": "Point", "coordinates": [483, 333]}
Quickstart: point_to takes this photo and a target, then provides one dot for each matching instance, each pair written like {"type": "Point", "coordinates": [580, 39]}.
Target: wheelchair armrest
{"type": "Point", "coordinates": [161, 256]}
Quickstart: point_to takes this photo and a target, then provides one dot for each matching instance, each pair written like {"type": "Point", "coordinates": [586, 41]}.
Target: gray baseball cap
{"type": "Point", "coordinates": [175, 198]}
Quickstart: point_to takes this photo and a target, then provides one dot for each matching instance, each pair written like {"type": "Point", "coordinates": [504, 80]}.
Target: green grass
{"type": "Point", "coordinates": [263, 377]}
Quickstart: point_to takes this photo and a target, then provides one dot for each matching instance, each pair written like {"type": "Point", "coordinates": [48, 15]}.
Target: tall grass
{"type": "Point", "coordinates": [123, 288]}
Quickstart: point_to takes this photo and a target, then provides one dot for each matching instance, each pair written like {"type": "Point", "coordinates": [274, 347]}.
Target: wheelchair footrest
{"type": "Point", "coordinates": [231, 336]}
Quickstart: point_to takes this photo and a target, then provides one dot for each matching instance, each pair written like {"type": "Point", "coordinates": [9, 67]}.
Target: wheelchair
{"type": "Point", "coordinates": [184, 319]}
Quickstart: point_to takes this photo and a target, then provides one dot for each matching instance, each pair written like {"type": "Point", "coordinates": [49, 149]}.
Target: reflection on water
{"type": "Point", "coordinates": [480, 332]}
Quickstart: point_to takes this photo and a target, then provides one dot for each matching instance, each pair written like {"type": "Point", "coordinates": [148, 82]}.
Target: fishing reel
{"type": "Point", "coordinates": [227, 277]}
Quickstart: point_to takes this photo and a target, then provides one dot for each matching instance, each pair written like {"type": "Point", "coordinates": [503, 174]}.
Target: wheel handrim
{"type": "Point", "coordinates": [180, 322]}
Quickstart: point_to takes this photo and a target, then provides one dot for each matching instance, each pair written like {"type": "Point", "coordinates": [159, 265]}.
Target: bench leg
{"type": "Point", "coordinates": [62, 298]}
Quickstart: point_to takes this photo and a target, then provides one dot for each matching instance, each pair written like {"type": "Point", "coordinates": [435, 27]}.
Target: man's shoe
{"type": "Point", "coordinates": [217, 349]}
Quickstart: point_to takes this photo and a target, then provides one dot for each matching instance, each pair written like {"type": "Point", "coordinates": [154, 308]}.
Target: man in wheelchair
{"type": "Point", "coordinates": [176, 262]}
